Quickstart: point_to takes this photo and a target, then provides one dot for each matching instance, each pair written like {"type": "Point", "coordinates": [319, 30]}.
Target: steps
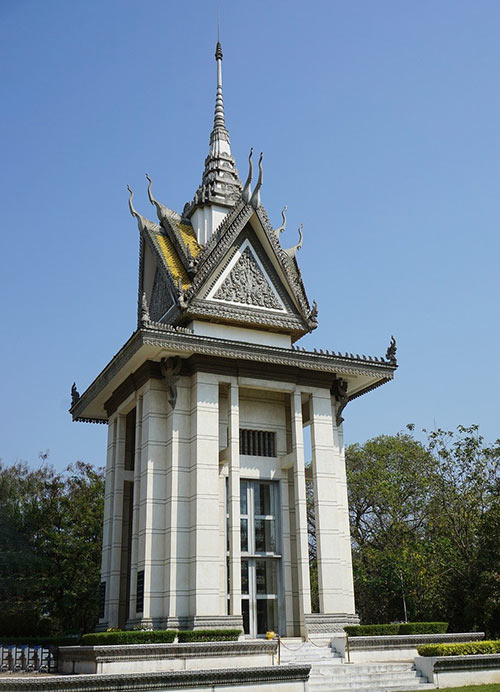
{"type": "Point", "coordinates": [367, 677]}
{"type": "Point", "coordinates": [330, 674]}
{"type": "Point", "coordinates": [318, 654]}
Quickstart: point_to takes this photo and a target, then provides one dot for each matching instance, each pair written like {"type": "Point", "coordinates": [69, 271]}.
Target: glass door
{"type": "Point", "coordinates": [260, 558]}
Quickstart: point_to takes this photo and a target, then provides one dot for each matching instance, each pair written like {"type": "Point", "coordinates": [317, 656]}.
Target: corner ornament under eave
{"type": "Point", "coordinates": [75, 394]}
{"type": "Point", "coordinates": [390, 354]}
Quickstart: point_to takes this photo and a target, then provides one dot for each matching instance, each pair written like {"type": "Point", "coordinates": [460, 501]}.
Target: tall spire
{"type": "Point", "coordinates": [219, 119]}
{"type": "Point", "coordinates": [220, 183]}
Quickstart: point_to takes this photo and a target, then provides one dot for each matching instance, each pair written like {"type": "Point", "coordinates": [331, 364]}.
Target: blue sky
{"type": "Point", "coordinates": [379, 123]}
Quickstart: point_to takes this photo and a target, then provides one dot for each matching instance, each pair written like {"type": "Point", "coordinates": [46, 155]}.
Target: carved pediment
{"type": "Point", "coordinates": [246, 284]}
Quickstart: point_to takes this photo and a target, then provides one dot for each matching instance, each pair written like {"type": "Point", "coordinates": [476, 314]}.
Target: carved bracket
{"type": "Point", "coordinates": [339, 390]}
{"type": "Point", "coordinates": [170, 369]}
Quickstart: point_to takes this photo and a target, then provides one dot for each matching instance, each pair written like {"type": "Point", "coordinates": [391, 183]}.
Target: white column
{"type": "Point", "coordinates": [178, 499]}
{"type": "Point", "coordinates": [304, 594]}
{"type": "Point", "coordinates": [234, 501]}
{"type": "Point", "coordinates": [117, 520]}
{"type": "Point", "coordinates": [153, 463]}
{"type": "Point", "coordinates": [107, 535]}
{"type": "Point", "coordinates": [136, 509]}
{"type": "Point", "coordinates": [343, 507]}
{"type": "Point", "coordinates": [331, 515]}
{"type": "Point", "coordinates": [286, 560]}
{"type": "Point", "coordinates": [205, 543]}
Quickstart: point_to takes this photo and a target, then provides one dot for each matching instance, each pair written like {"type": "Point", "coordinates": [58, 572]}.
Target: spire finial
{"type": "Point", "coordinates": [219, 119]}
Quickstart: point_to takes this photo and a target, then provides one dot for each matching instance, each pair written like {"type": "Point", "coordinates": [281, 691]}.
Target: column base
{"type": "Point", "coordinates": [217, 622]}
{"type": "Point", "coordinates": [203, 622]}
{"type": "Point", "coordinates": [142, 624]}
{"type": "Point", "coordinates": [320, 624]}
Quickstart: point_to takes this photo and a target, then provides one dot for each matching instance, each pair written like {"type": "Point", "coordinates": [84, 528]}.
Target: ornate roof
{"type": "Point", "coordinates": [220, 183]}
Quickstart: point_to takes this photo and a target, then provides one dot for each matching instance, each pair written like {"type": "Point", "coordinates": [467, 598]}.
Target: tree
{"type": "Point", "coordinates": [50, 547]}
{"type": "Point", "coordinates": [419, 515]}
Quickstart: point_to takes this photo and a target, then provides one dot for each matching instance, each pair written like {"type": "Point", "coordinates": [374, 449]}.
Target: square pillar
{"type": "Point", "coordinates": [113, 586]}
{"type": "Point", "coordinates": [107, 535]}
{"type": "Point", "coordinates": [331, 516]}
{"type": "Point", "coordinates": [151, 549]}
{"type": "Point", "coordinates": [205, 558]}
{"type": "Point", "coordinates": [136, 511]}
{"type": "Point", "coordinates": [234, 502]}
{"type": "Point", "coordinates": [178, 510]}
{"type": "Point", "coordinates": [302, 547]}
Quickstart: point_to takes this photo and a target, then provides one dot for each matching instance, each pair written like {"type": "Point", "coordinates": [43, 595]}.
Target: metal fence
{"type": "Point", "coordinates": [26, 658]}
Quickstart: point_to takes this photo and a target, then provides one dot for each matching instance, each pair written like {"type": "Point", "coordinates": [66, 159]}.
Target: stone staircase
{"type": "Point", "coordinates": [330, 674]}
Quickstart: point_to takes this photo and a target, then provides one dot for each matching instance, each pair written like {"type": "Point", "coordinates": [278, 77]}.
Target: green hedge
{"type": "Point", "coordinates": [129, 637]}
{"type": "Point", "coordinates": [397, 628]}
{"type": "Point", "coordinates": [371, 630]}
{"type": "Point", "coordinates": [208, 635]}
{"type": "Point", "coordinates": [460, 649]}
{"type": "Point", "coordinates": [40, 641]}
{"type": "Point", "coordinates": [423, 627]}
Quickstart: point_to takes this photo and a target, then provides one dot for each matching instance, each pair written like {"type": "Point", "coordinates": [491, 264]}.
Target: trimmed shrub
{"type": "Point", "coordinates": [396, 628]}
{"type": "Point", "coordinates": [460, 649]}
{"type": "Point", "coordinates": [423, 627]}
{"type": "Point", "coordinates": [185, 636]}
{"type": "Point", "coordinates": [129, 637]}
{"type": "Point", "coordinates": [371, 630]}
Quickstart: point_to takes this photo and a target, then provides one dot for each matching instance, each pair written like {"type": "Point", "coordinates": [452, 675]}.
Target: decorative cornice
{"type": "Point", "coordinates": [182, 341]}
{"type": "Point", "coordinates": [318, 623]}
{"type": "Point", "coordinates": [472, 663]}
{"type": "Point", "coordinates": [411, 641]}
{"type": "Point", "coordinates": [135, 652]}
{"type": "Point", "coordinates": [138, 682]}
{"type": "Point", "coordinates": [244, 314]}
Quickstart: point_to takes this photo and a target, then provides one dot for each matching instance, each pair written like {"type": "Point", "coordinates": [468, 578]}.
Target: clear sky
{"type": "Point", "coordinates": [379, 123]}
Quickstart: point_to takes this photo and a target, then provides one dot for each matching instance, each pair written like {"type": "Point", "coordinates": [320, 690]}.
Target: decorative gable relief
{"type": "Point", "coordinates": [161, 298]}
{"type": "Point", "coordinates": [245, 282]}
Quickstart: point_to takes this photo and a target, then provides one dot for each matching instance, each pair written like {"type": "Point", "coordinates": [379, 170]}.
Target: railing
{"type": "Point", "coordinates": [25, 658]}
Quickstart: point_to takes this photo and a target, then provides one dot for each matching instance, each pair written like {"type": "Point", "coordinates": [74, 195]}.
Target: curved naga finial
{"type": "Point", "coordinates": [247, 188]}
{"type": "Point", "coordinates": [292, 251]}
{"type": "Point", "coordinates": [280, 230]}
{"type": "Point", "coordinates": [131, 204]}
{"type": "Point", "coordinates": [142, 222]}
{"type": "Point", "coordinates": [390, 354]}
{"type": "Point", "coordinates": [255, 200]}
{"type": "Point", "coordinates": [150, 194]}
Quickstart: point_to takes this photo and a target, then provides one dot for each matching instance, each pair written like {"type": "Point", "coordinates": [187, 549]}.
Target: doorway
{"type": "Point", "coordinates": [260, 557]}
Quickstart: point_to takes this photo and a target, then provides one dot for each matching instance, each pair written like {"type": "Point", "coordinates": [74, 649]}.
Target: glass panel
{"type": "Point", "coordinates": [266, 615]}
{"type": "Point", "coordinates": [244, 576]}
{"type": "Point", "coordinates": [244, 535]}
{"type": "Point", "coordinates": [265, 576]}
{"type": "Point", "coordinates": [245, 611]}
{"type": "Point", "coordinates": [264, 536]}
{"type": "Point", "coordinates": [227, 534]}
{"type": "Point", "coordinates": [262, 498]}
{"type": "Point", "coordinates": [243, 497]}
